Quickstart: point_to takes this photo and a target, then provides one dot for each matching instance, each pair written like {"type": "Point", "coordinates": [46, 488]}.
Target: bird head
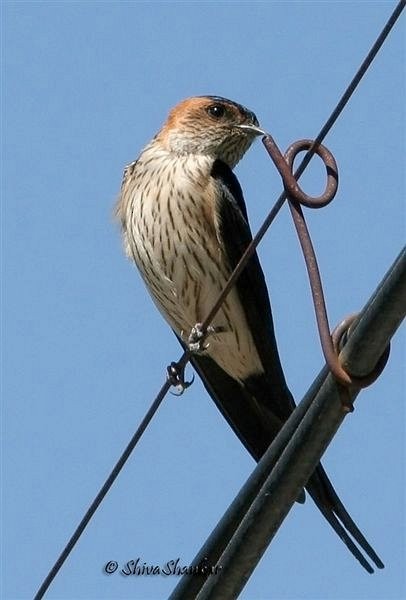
{"type": "Point", "coordinates": [210, 126]}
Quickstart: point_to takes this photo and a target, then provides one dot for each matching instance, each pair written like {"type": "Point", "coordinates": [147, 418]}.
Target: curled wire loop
{"type": "Point", "coordinates": [296, 197]}
{"type": "Point", "coordinates": [291, 185]}
{"type": "Point", "coordinates": [284, 164]}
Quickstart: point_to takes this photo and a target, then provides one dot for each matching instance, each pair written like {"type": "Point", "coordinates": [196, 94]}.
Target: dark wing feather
{"type": "Point", "coordinates": [235, 234]}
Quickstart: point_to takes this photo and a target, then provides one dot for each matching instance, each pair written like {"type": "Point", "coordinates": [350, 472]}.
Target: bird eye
{"type": "Point", "coordinates": [216, 110]}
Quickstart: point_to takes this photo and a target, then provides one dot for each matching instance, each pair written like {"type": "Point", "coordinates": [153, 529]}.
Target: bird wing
{"type": "Point", "coordinates": [235, 234]}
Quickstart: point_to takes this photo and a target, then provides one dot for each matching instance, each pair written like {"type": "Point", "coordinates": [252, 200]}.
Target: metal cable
{"type": "Point", "coordinates": [240, 538]}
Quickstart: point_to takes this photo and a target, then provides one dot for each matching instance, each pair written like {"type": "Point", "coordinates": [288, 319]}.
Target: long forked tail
{"type": "Point", "coordinates": [330, 505]}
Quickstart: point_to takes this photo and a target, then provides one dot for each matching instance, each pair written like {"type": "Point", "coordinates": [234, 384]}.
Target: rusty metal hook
{"type": "Point", "coordinates": [284, 164]}
{"type": "Point", "coordinates": [339, 337]}
{"type": "Point", "coordinates": [296, 197]}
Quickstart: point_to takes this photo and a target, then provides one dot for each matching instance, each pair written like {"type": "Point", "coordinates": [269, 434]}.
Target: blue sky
{"type": "Point", "coordinates": [87, 84]}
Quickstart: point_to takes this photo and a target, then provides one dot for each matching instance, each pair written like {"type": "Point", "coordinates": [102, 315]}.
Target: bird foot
{"type": "Point", "coordinates": [197, 337]}
{"type": "Point", "coordinates": [176, 377]}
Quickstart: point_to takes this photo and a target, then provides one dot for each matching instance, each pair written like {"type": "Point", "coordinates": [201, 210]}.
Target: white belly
{"type": "Point", "coordinates": [182, 264]}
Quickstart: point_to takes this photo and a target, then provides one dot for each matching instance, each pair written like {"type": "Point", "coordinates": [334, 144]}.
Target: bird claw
{"type": "Point", "coordinates": [176, 377]}
{"type": "Point", "coordinates": [197, 337]}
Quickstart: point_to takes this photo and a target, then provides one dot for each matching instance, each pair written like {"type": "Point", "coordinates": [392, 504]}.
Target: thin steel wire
{"type": "Point", "coordinates": [233, 278]}
{"type": "Point", "coordinates": [306, 159]}
{"type": "Point", "coordinates": [103, 491]}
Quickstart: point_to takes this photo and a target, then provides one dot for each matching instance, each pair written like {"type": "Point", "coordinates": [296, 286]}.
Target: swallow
{"type": "Point", "coordinates": [185, 225]}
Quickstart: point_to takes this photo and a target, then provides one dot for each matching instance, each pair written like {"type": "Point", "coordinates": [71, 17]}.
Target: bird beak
{"type": "Point", "coordinates": [252, 129]}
